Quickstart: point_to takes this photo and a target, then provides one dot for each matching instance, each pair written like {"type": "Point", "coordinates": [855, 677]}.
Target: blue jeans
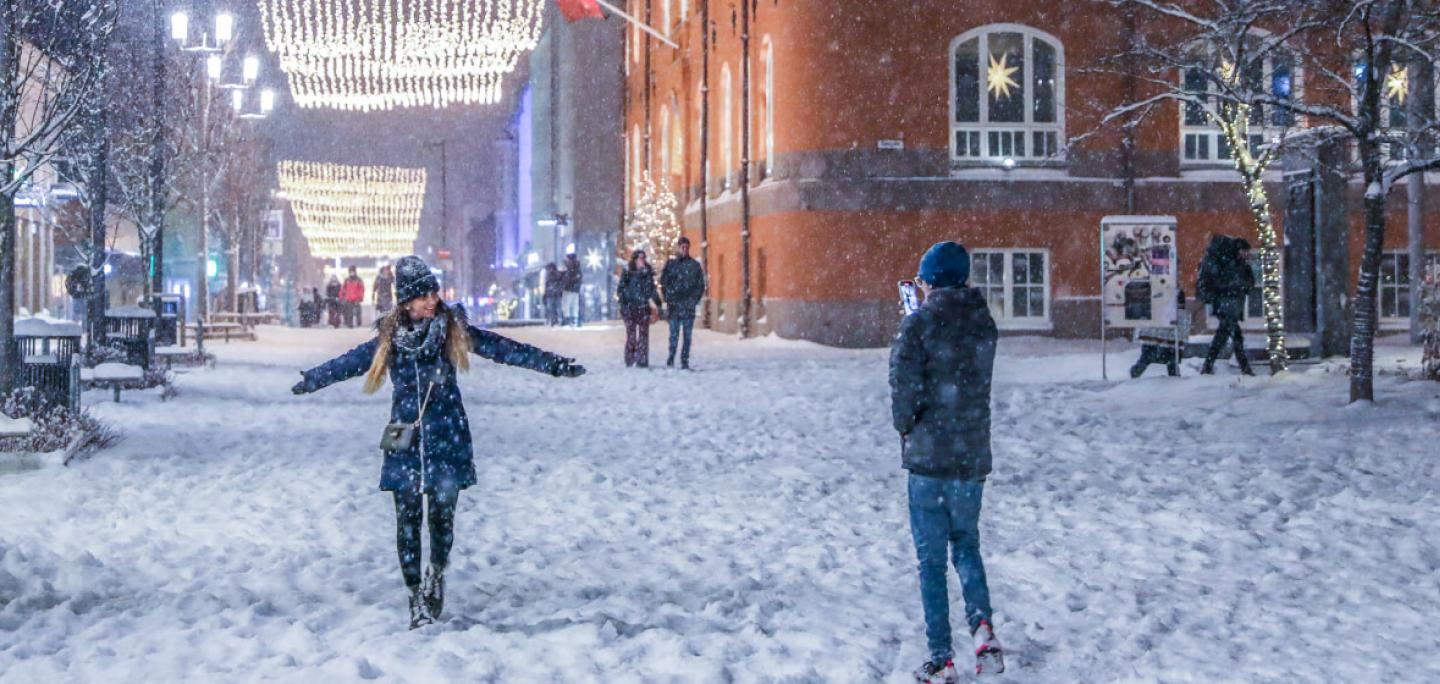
{"type": "Point", "coordinates": [945, 516]}
{"type": "Point", "coordinates": [678, 324]}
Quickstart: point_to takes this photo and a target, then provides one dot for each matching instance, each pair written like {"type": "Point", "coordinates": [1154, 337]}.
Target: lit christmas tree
{"type": "Point", "coordinates": [653, 224]}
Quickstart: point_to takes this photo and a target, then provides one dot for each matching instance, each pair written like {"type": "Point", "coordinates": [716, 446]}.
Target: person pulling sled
{"type": "Point", "coordinates": [421, 346]}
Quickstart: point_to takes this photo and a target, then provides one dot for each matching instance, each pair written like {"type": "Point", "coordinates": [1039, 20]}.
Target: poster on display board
{"type": "Point", "coordinates": [1139, 280]}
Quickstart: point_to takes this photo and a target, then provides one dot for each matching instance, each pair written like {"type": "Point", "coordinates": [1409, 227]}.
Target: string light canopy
{"type": "Point", "coordinates": [375, 55]}
{"type": "Point", "coordinates": [355, 211]}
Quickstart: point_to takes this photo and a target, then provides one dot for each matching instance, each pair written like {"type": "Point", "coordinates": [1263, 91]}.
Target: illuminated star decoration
{"type": "Point", "coordinates": [1397, 84]}
{"type": "Point", "coordinates": [594, 259]}
{"type": "Point", "coordinates": [999, 77]}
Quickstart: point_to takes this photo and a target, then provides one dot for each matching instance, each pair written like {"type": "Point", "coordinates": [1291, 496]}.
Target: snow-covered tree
{"type": "Point", "coordinates": [654, 224]}
{"type": "Point", "coordinates": [1359, 61]}
{"type": "Point", "coordinates": [1213, 65]}
{"type": "Point", "coordinates": [1430, 319]}
{"type": "Point", "coordinates": [52, 54]}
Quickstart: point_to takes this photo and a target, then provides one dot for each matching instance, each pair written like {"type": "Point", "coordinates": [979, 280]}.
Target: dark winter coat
{"type": "Point", "coordinates": [1225, 279]}
{"type": "Point", "coordinates": [384, 292]}
{"type": "Point", "coordinates": [443, 441]}
{"type": "Point", "coordinates": [940, 368]}
{"type": "Point", "coordinates": [637, 288]}
{"type": "Point", "coordinates": [683, 282]}
{"type": "Point", "coordinates": [572, 274]}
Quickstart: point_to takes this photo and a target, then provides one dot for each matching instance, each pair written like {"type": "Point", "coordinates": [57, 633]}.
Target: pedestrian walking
{"type": "Point", "coordinates": [332, 300]}
{"type": "Point", "coordinates": [570, 298]}
{"type": "Point", "coordinates": [353, 296]}
{"type": "Point", "coordinates": [940, 371]}
{"type": "Point", "coordinates": [421, 346]}
{"type": "Point", "coordinates": [554, 288]}
{"type": "Point", "coordinates": [1224, 282]}
{"type": "Point", "coordinates": [384, 291]}
{"type": "Point", "coordinates": [682, 283]}
{"type": "Point", "coordinates": [636, 291]}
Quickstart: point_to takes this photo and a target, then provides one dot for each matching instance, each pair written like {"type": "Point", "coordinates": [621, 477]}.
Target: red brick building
{"type": "Point", "coordinates": [877, 129]}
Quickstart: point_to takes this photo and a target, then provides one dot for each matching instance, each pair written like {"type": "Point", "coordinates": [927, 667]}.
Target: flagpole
{"type": "Point", "coordinates": [643, 26]}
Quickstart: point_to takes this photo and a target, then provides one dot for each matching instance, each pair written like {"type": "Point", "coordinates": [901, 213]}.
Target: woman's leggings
{"type": "Point", "coordinates": [408, 522]}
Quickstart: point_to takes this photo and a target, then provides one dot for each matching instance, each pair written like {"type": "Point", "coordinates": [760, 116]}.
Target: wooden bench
{"type": "Point", "coordinates": [113, 376]}
{"type": "Point", "coordinates": [215, 331]}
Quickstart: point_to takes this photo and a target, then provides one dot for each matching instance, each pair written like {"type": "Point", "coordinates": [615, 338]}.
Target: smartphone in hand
{"type": "Point", "coordinates": [909, 297]}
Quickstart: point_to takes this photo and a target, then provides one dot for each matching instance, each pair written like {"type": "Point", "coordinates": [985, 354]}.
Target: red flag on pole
{"type": "Point", "coordinates": [575, 10]}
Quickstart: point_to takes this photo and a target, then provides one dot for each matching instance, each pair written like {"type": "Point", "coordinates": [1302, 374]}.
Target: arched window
{"type": "Point", "coordinates": [637, 170]}
{"type": "Point", "coordinates": [676, 168]}
{"type": "Point", "coordinates": [663, 178]}
{"type": "Point", "coordinates": [767, 107]}
{"type": "Point", "coordinates": [727, 128]}
{"type": "Point", "coordinates": [1007, 95]}
{"type": "Point", "coordinates": [1201, 140]}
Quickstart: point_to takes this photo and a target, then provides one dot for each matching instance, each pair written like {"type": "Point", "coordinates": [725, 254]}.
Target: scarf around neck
{"type": "Point", "coordinates": [425, 338]}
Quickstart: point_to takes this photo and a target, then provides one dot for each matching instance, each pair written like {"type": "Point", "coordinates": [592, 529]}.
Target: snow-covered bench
{"type": "Point", "coordinates": [114, 376]}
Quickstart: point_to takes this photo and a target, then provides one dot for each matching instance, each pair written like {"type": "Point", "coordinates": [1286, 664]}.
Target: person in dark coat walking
{"type": "Point", "coordinates": [636, 291]}
{"type": "Point", "coordinates": [384, 291]}
{"type": "Point", "coordinates": [554, 286]}
{"type": "Point", "coordinates": [683, 283]}
{"type": "Point", "coordinates": [570, 297]}
{"type": "Point", "coordinates": [940, 369]}
{"type": "Point", "coordinates": [1225, 281]}
{"type": "Point", "coordinates": [332, 301]}
{"type": "Point", "coordinates": [421, 347]}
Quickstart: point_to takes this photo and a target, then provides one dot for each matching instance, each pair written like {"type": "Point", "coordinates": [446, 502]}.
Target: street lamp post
{"type": "Point", "coordinates": [215, 50]}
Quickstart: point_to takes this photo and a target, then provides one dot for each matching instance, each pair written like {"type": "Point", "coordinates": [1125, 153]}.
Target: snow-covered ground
{"type": "Point", "coordinates": [743, 523]}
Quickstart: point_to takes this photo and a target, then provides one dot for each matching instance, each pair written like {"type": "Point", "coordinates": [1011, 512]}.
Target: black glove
{"type": "Point", "coordinates": [567, 368]}
{"type": "Point", "coordinates": [302, 387]}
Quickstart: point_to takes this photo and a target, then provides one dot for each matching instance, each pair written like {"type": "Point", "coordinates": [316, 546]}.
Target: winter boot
{"type": "Point", "coordinates": [933, 672]}
{"type": "Point", "coordinates": [1209, 367]}
{"type": "Point", "coordinates": [988, 656]}
{"type": "Point", "coordinates": [1244, 363]}
{"type": "Point", "coordinates": [433, 591]}
{"type": "Point", "coordinates": [419, 614]}
{"type": "Point", "coordinates": [670, 362]}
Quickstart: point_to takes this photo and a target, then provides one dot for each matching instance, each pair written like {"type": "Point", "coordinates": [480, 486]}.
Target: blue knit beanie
{"type": "Point", "coordinates": [946, 264]}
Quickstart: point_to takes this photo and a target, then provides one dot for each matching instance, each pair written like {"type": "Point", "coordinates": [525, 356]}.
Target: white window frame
{"type": "Point", "coordinates": [1432, 259]}
{"type": "Point", "coordinates": [1004, 319]}
{"type": "Point", "coordinates": [665, 17]}
{"type": "Point", "coordinates": [767, 60]}
{"type": "Point", "coordinates": [1210, 134]}
{"type": "Point", "coordinates": [637, 170]}
{"type": "Point", "coordinates": [992, 146]}
{"type": "Point", "coordinates": [676, 168]}
{"type": "Point", "coordinates": [665, 146]}
{"type": "Point", "coordinates": [727, 127]}
{"type": "Point", "coordinates": [684, 9]}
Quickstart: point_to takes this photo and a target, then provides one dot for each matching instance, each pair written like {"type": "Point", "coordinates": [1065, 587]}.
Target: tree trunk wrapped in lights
{"type": "Point", "coordinates": [1430, 319]}
{"type": "Point", "coordinates": [1234, 123]}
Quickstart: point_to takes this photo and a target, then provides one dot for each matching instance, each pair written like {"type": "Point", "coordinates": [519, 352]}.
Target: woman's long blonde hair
{"type": "Point", "coordinates": [457, 344]}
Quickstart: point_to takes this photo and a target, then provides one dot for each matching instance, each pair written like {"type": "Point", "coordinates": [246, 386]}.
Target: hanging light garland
{"type": "Point", "coordinates": [371, 55]}
{"type": "Point", "coordinates": [354, 211]}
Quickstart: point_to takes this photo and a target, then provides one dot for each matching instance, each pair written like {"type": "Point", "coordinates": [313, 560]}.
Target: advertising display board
{"type": "Point", "coordinates": [1139, 279]}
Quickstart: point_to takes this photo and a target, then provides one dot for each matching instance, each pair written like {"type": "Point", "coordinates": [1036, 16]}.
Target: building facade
{"type": "Point", "coordinates": [872, 134]}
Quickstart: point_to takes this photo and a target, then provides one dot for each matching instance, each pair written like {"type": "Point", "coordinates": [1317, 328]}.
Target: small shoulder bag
{"type": "Point", "coordinates": [401, 436]}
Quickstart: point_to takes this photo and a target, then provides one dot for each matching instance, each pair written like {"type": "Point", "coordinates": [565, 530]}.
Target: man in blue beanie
{"type": "Point", "coordinates": [940, 368]}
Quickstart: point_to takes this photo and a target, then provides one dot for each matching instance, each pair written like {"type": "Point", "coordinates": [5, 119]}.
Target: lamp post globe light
{"type": "Point", "coordinates": [216, 47]}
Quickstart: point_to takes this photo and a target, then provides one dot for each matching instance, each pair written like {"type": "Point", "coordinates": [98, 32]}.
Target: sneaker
{"type": "Point", "coordinates": [419, 614]}
{"type": "Point", "coordinates": [935, 672]}
{"type": "Point", "coordinates": [989, 658]}
{"type": "Point", "coordinates": [432, 590]}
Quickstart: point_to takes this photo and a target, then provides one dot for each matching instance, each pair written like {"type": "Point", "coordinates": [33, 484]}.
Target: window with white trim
{"type": "Point", "coordinates": [638, 173]}
{"type": "Point", "coordinates": [1201, 140]}
{"type": "Point", "coordinates": [1007, 95]}
{"type": "Point", "coordinates": [684, 9]}
{"type": "Point", "coordinates": [1016, 284]}
{"type": "Point", "coordinates": [767, 106]}
{"type": "Point", "coordinates": [663, 178]}
{"type": "Point", "coordinates": [1395, 282]}
{"type": "Point", "coordinates": [727, 127]}
{"type": "Point", "coordinates": [665, 17]}
{"type": "Point", "coordinates": [676, 169]}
